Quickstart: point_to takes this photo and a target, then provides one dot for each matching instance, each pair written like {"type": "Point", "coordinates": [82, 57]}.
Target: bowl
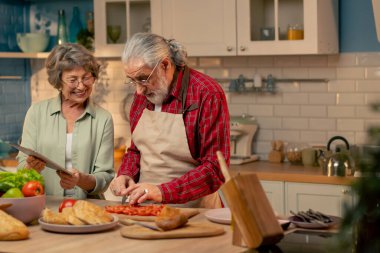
{"type": "Point", "coordinates": [25, 209]}
{"type": "Point", "coordinates": [32, 42]}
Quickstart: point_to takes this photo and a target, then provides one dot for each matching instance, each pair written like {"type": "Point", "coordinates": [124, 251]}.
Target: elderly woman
{"type": "Point", "coordinates": [70, 129]}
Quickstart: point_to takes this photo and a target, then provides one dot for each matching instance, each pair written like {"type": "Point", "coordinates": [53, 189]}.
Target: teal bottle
{"type": "Point", "coordinates": [75, 25]}
{"type": "Point", "coordinates": [62, 37]}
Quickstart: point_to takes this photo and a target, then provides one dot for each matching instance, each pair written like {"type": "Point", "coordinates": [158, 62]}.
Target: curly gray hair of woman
{"type": "Point", "coordinates": [67, 57]}
{"type": "Point", "coordinates": [152, 48]}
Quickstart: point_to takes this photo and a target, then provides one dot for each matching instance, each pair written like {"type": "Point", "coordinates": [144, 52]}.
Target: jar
{"type": "Point", "coordinates": [295, 32]}
{"type": "Point", "coordinates": [294, 153]}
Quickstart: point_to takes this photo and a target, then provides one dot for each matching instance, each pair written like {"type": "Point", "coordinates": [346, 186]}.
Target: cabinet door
{"type": "Point", "coordinates": [278, 27]}
{"type": "Point", "coordinates": [116, 21]}
{"type": "Point", "coordinates": [329, 199]}
{"type": "Point", "coordinates": [204, 27]}
{"type": "Point", "coordinates": [275, 194]}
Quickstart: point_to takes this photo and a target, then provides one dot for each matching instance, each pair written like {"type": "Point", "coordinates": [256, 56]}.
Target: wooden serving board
{"type": "Point", "coordinates": [191, 229]}
{"type": "Point", "coordinates": [188, 212]}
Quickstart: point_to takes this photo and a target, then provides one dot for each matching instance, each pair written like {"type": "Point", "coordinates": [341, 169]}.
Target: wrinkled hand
{"type": "Point", "coordinates": [119, 185]}
{"type": "Point", "coordinates": [33, 162]}
{"type": "Point", "coordinates": [138, 193]}
{"type": "Point", "coordinates": [69, 181]}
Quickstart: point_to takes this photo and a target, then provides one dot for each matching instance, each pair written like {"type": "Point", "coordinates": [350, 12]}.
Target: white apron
{"type": "Point", "coordinates": [165, 155]}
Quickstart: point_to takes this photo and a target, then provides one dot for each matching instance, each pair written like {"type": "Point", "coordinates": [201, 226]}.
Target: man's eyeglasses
{"type": "Point", "coordinates": [74, 82]}
{"type": "Point", "coordinates": [142, 82]}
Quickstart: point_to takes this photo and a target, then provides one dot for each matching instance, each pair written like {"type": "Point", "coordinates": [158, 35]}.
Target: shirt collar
{"type": "Point", "coordinates": [56, 106]}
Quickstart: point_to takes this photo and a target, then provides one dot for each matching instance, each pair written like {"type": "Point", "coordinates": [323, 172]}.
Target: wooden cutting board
{"type": "Point", "coordinates": [188, 212]}
{"type": "Point", "coordinates": [191, 229]}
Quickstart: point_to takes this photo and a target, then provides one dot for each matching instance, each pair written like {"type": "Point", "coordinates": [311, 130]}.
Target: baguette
{"type": "Point", "coordinates": [11, 229]}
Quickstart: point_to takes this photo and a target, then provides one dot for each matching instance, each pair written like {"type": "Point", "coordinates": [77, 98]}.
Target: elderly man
{"type": "Point", "coordinates": [179, 119]}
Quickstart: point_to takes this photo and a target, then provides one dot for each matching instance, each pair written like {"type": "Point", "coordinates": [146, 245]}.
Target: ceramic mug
{"type": "Point", "coordinates": [309, 156]}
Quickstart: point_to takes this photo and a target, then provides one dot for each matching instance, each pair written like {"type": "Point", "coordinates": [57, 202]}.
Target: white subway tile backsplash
{"type": "Point", "coordinates": [287, 135]}
{"type": "Point", "coordinates": [269, 122]}
{"type": "Point", "coordinates": [341, 111]}
{"type": "Point", "coordinates": [372, 73]}
{"type": "Point", "coordinates": [260, 110]}
{"type": "Point", "coordinates": [295, 123]}
{"type": "Point", "coordinates": [314, 61]}
{"type": "Point", "coordinates": [288, 87]}
{"type": "Point", "coordinates": [366, 112]}
{"type": "Point", "coordinates": [275, 72]}
{"type": "Point", "coordinates": [323, 73]}
{"type": "Point", "coordinates": [235, 61]}
{"type": "Point", "coordinates": [371, 123]}
{"type": "Point", "coordinates": [342, 60]}
{"type": "Point", "coordinates": [218, 73]}
{"type": "Point", "coordinates": [207, 62]}
{"type": "Point", "coordinates": [322, 99]}
{"type": "Point", "coordinates": [286, 110]}
{"type": "Point", "coordinates": [322, 124]}
{"type": "Point", "coordinates": [286, 61]}
{"type": "Point", "coordinates": [350, 99]}
{"type": "Point", "coordinates": [368, 86]}
{"type": "Point", "coordinates": [269, 99]}
{"type": "Point", "coordinates": [238, 109]}
{"type": "Point", "coordinates": [350, 124]}
{"type": "Point", "coordinates": [341, 86]}
{"type": "Point", "coordinates": [350, 73]}
{"type": "Point", "coordinates": [314, 111]}
{"type": "Point", "coordinates": [264, 135]}
{"type": "Point", "coordinates": [247, 72]}
{"type": "Point", "coordinates": [313, 137]}
{"type": "Point", "coordinates": [313, 87]}
{"type": "Point", "coordinates": [261, 61]}
{"type": "Point", "coordinates": [368, 59]}
{"type": "Point", "coordinates": [371, 98]}
{"type": "Point", "coordinates": [295, 73]}
{"type": "Point", "coordinates": [192, 62]}
{"type": "Point", "coordinates": [348, 135]}
{"type": "Point", "coordinates": [295, 98]}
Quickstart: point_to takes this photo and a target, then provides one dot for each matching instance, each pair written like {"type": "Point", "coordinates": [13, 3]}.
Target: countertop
{"type": "Point", "coordinates": [111, 241]}
{"type": "Point", "coordinates": [290, 173]}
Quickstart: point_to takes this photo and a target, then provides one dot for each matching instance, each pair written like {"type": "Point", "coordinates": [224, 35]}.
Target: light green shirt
{"type": "Point", "coordinates": [92, 148]}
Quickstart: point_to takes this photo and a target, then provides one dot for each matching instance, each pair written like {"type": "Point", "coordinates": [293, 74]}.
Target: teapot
{"type": "Point", "coordinates": [338, 163]}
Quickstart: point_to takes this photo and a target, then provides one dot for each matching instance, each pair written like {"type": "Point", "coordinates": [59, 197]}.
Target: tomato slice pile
{"type": "Point", "coordinates": [149, 210]}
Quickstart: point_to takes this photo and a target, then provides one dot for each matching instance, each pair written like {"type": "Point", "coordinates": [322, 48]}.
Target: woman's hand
{"type": "Point", "coordinates": [69, 181]}
{"type": "Point", "coordinates": [138, 193]}
{"type": "Point", "coordinates": [33, 162]}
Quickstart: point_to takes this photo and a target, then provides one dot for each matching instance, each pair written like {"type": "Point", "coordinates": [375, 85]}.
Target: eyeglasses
{"type": "Point", "coordinates": [142, 82]}
{"type": "Point", "coordinates": [74, 82]}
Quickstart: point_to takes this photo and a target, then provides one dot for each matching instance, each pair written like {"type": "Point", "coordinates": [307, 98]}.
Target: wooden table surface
{"type": "Point", "coordinates": [111, 241]}
{"type": "Point", "coordinates": [289, 173]}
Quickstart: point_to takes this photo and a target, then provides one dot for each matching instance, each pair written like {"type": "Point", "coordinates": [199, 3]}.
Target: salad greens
{"type": "Point", "coordinates": [17, 180]}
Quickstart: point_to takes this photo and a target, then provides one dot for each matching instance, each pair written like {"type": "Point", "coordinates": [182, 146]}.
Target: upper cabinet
{"type": "Point", "coordinates": [118, 20]}
{"type": "Point", "coordinates": [249, 27]}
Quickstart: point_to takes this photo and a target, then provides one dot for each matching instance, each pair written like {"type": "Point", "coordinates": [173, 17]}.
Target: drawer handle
{"type": "Point", "coordinates": [229, 48]}
{"type": "Point", "coordinates": [345, 191]}
{"type": "Point", "coordinates": [243, 48]}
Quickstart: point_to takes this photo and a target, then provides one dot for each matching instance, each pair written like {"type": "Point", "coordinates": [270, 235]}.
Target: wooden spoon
{"type": "Point", "coordinates": [5, 206]}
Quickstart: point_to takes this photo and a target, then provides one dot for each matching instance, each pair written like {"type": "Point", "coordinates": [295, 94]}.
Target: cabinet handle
{"type": "Point", "coordinates": [243, 48]}
{"type": "Point", "coordinates": [229, 48]}
{"type": "Point", "coordinates": [345, 191]}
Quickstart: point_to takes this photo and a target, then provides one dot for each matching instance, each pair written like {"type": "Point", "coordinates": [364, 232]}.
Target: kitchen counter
{"type": "Point", "coordinates": [111, 241]}
{"type": "Point", "coordinates": [289, 173]}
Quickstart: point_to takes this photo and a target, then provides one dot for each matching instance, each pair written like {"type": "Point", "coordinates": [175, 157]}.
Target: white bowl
{"type": "Point", "coordinates": [25, 209]}
{"type": "Point", "coordinates": [32, 42]}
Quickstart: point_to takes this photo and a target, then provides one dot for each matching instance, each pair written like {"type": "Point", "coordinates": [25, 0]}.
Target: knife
{"type": "Point", "coordinates": [125, 199]}
{"type": "Point", "coordinates": [129, 222]}
{"type": "Point", "coordinates": [49, 163]}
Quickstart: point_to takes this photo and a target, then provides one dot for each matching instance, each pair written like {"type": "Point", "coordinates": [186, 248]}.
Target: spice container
{"type": "Point", "coordinates": [294, 153]}
{"type": "Point", "coordinates": [295, 32]}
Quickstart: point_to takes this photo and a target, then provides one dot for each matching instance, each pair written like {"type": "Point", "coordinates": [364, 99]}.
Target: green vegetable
{"type": "Point", "coordinates": [10, 180]}
{"type": "Point", "coordinates": [13, 193]}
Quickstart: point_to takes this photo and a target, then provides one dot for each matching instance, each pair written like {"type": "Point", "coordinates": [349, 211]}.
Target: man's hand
{"type": "Point", "coordinates": [138, 193]}
{"type": "Point", "coordinates": [119, 185]}
{"type": "Point", "coordinates": [33, 162]}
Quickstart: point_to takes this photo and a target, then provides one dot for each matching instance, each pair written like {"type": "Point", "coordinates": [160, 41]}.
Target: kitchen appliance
{"type": "Point", "coordinates": [242, 132]}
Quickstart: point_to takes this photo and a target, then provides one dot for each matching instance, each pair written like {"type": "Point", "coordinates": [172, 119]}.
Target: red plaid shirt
{"type": "Point", "coordinates": [207, 130]}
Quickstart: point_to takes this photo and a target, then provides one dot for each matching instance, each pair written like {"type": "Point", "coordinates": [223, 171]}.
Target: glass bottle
{"type": "Point", "coordinates": [61, 30]}
{"type": "Point", "coordinates": [90, 21]}
{"type": "Point", "coordinates": [75, 25]}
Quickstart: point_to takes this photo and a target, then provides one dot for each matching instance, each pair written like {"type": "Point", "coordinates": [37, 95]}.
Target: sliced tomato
{"type": "Point", "coordinates": [66, 203]}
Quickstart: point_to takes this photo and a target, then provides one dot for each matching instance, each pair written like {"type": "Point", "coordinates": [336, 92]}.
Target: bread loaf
{"type": "Point", "coordinates": [12, 229]}
{"type": "Point", "coordinates": [170, 218]}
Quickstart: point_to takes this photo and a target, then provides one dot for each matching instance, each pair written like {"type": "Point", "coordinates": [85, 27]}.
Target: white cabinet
{"type": "Point", "coordinates": [249, 27]}
{"type": "Point", "coordinates": [116, 21]}
{"type": "Point", "coordinates": [275, 194]}
{"type": "Point", "coordinates": [329, 199]}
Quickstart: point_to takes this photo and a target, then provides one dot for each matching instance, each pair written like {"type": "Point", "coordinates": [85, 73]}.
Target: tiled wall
{"type": "Point", "coordinates": [298, 112]}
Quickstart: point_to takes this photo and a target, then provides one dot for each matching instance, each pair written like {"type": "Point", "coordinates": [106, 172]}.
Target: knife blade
{"type": "Point", "coordinates": [125, 199]}
{"type": "Point", "coordinates": [49, 163]}
{"type": "Point", "coordinates": [129, 222]}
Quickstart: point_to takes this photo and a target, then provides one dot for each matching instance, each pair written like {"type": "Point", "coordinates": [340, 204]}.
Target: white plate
{"type": "Point", "coordinates": [71, 229]}
{"type": "Point", "coordinates": [219, 215]}
{"type": "Point", "coordinates": [300, 224]}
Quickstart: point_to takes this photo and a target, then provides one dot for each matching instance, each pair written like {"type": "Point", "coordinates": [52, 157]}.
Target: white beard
{"type": "Point", "coordinates": [158, 95]}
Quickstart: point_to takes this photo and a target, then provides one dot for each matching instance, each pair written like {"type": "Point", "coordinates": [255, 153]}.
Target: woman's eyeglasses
{"type": "Point", "coordinates": [142, 82]}
{"type": "Point", "coordinates": [74, 82]}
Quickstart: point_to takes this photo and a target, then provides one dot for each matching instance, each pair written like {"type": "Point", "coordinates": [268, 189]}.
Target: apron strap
{"type": "Point", "coordinates": [183, 92]}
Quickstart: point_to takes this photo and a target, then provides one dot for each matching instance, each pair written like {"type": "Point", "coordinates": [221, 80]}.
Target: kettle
{"type": "Point", "coordinates": [340, 162]}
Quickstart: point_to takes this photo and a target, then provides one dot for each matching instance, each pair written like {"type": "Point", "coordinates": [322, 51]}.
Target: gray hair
{"type": "Point", "coordinates": [152, 48]}
{"type": "Point", "coordinates": [67, 57]}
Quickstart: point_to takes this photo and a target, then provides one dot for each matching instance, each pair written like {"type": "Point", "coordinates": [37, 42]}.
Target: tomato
{"type": "Point", "coordinates": [32, 188]}
{"type": "Point", "coordinates": [13, 193]}
{"type": "Point", "coordinates": [66, 203]}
